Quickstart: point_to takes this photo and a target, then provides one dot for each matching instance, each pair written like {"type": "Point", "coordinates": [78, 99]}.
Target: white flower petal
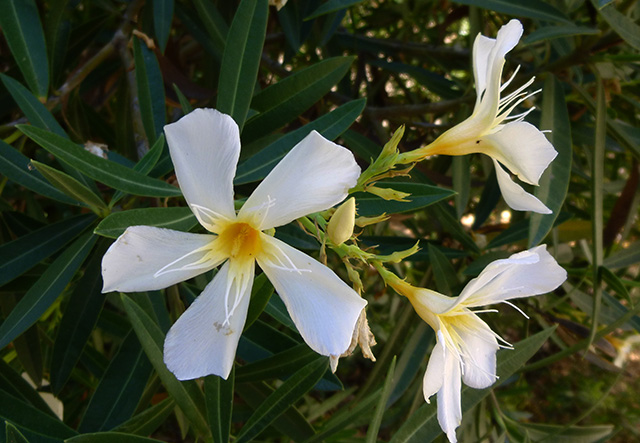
{"type": "Point", "coordinates": [200, 343]}
{"type": "Point", "coordinates": [516, 197]}
{"type": "Point", "coordinates": [315, 175]}
{"type": "Point", "coordinates": [449, 402]}
{"type": "Point", "coordinates": [434, 375]}
{"type": "Point", "coordinates": [482, 47]}
{"type": "Point", "coordinates": [524, 274]}
{"type": "Point", "coordinates": [507, 38]}
{"type": "Point", "coordinates": [323, 307]}
{"type": "Point", "coordinates": [134, 259]}
{"type": "Point", "coordinates": [205, 146]}
{"type": "Point", "coordinates": [479, 353]}
{"type": "Point", "coordinates": [522, 148]}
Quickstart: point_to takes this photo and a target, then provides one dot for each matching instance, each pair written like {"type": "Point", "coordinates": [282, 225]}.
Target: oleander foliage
{"type": "Point", "coordinates": [86, 89]}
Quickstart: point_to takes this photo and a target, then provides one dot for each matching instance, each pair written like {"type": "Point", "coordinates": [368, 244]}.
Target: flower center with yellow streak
{"type": "Point", "coordinates": [240, 241]}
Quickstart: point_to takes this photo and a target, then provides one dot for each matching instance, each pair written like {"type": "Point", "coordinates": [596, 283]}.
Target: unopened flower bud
{"type": "Point", "coordinates": [340, 227]}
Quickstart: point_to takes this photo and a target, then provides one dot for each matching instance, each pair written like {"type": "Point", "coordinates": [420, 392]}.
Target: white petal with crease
{"type": "Point", "coordinates": [479, 357]}
{"type": "Point", "coordinates": [205, 146]}
{"type": "Point", "coordinates": [199, 343]}
{"type": "Point", "coordinates": [449, 402]}
{"type": "Point", "coordinates": [434, 375]}
{"type": "Point", "coordinates": [516, 197]}
{"type": "Point", "coordinates": [524, 274]}
{"type": "Point", "coordinates": [323, 307]}
{"type": "Point", "coordinates": [522, 148]}
{"type": "Point", "coordinates": [136, 256]}
{"type": "Point", "coordinates": [315, 175]}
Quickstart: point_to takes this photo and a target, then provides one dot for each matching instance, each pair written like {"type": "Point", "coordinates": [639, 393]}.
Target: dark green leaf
{"type": "Point", "coordinates": [146, 422]}
{"type": "Point", "coordinates": [37, 114]}
{"type": "Point", "coordinates": [105, 171]}
{"type": "Point", "coordinates": [620, 259]}
{"type": "Point", "coordinates": [519, 230]}
{"type": "Point", "coordinates": [21, 28]}
{"type": "Point", "coordinates": [330, 125]}
{"type": "Point", "coordinates": [13, 435]}
{"type": "Point", "coordinates": [79, 318]}
{"type": "Point", "coordinates": [26, 416]}
{"type": "Point", "coordinates": [16, 167]}
{"type": "Point", "coordinates": [550, 32]}
{"type": "Point", "coordinates": [282, 398]}
{"type": "Point", "coordinates": [261, 292]}
{"type": "Point", "coordinates": [119, 391]}
{"type": "Point", "coordinates": [374, 426]}
{"type": "Point", "coordinates": [623, 25]}
{"type": "Point", "coordinates": [213, 22]}
{"type": "Point", "coordinates": [181, 219]}
{"type": "Point", "coordinates": [150, 89]}
{"type": "Point", "coordinates": [421, 196]}
{"type": "Point", "coordinates": [187, 395]}
{"type": "Point", "coordinates": [331, 6]}
{"type": "Point", "coordinates": [219, 399]}
{"type": "Point", "coordinates": [18, 256]}
{"type": "Point", "coordinates": [71, 187]}
{"type": "Point", "coordinates": [13, 384]}
{"type": "Point", "coordinates": [280, 365]}
{"type": "Point", "coordinates": [46, 289]}
{"type": "Point", "coordinates": [111, 437]}
{"type": "Point", "coordinates": [290, 97]}
{"type": "Point", "coordinates": [554, 182]}
{"type": "Point", "coordinates": [443, 272]}
{"type": "Point", "coordinates": [162, 18]}
{"type": "Point", "coordinates": [536, 9]}
{"type": "Point", "coordinates": [423, 425]}
{"type": "Point", "coordinates": [241, 59]}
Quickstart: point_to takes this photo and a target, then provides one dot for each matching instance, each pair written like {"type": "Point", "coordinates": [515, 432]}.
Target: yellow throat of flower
{"type": "Point", "coordinates": [240, 241]}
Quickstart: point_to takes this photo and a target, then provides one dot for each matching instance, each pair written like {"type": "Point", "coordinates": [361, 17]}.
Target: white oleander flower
{"type": "Point", "coordinates": [466, 347]}
{"type": "Point", "coordinates": [315, 175]}
{"type": "Point", "coordinates": [508, 140]}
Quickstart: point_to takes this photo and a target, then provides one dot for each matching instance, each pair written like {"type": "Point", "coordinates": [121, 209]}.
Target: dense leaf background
{"type": "Point", "coordinates": [86, 89]}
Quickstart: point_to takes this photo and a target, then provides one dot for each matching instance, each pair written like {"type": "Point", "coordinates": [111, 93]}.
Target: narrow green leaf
{"type": "Point", "coordinates": [443, 271]}
{"type": "Point", "coordinates": [184, 102]}
{"type": "Point", "coordinates": [330, 125]}
{"type": "Point", "coordinates": [13, 384]}
{"type": "Point", "coordinates": [331, 6]}
{"type": "Point", "coordinates": [110, 437]}
{"type": "Point", "coordinates": [519, 231]}
{"type": "Point", "coordinates": [423, 425]}
{"type": "Point", "coordinates": [120, 389]}
{"type": "Point", "coordinates": [46, 289]}
{"type": "Point", "coordinates": [451, 224]}
{"type": "Point", "coordinates": [22, 254]}
{"type": "Point", "coordinates": [213, 22]}
{"type": "Point", "coordinates": [282, 398]}
{"type": "Point", "coordinates": [187, 394]}
{"type": "Point", "coordinates": [16, 167]}
{"type": "Point", "coordinates": [219, 399]}
{"type": "Point", "coordinates": [554, 182]}
{"type": "Point", "coordinates": [616, 284]}
{"type": "Point", "coordinates": [550, 32]}
{"type": "Point", "coordinates": [28, 417]}
{"type": "Point", "coordinates": [461, 183]}
{"type": "Point", "coordinates": [280, 365]}
{"type": "Point", "coordinates": [290, 97]}
{"type": "Point", "coordinates": [146, 422]}
{"type": "Point", "coordinates": [105, 171]}
{"type": "Point", "coordinates": [410, 361]}
{"type": "Point", "coordinates": [37, 114]}
{"type": "Point", "coordinates": [261, 292]}
{"type": "Point", "coordinates": [241, 59]}
{"type": "Point", "coordinates": [180, 219]}
{"type": "Point", "coordinates": [291, 423]}
{"type": "Point", "coordinates": [79, 318]}
{"type": "Point", "coordinates": [421, 196]}
{"type": "Point", "coordinates": [536, 9]}
{"type": "Point", "coordinates": [620, 259]}
{"type": "Point", "coordinates": [623, 25]}
{"type": "Point", "coordinates": [13, 435]}
{"type": "Point", "coordinates": [150, 90]}
{"type": "Point", "coordinates": [162, 18]}
{"type": "Point", "coordinates": [22, 29]}
{"type": "Point", "coordinates": [71, 187]}
{"type": "Point", "coordinates": [597, 195]}
{"type": "Point", "coordinates": [374, 426]}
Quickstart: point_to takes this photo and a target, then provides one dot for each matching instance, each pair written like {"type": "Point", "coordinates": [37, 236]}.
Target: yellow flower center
{"type": "Point", "coordinates": [240, 241]}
